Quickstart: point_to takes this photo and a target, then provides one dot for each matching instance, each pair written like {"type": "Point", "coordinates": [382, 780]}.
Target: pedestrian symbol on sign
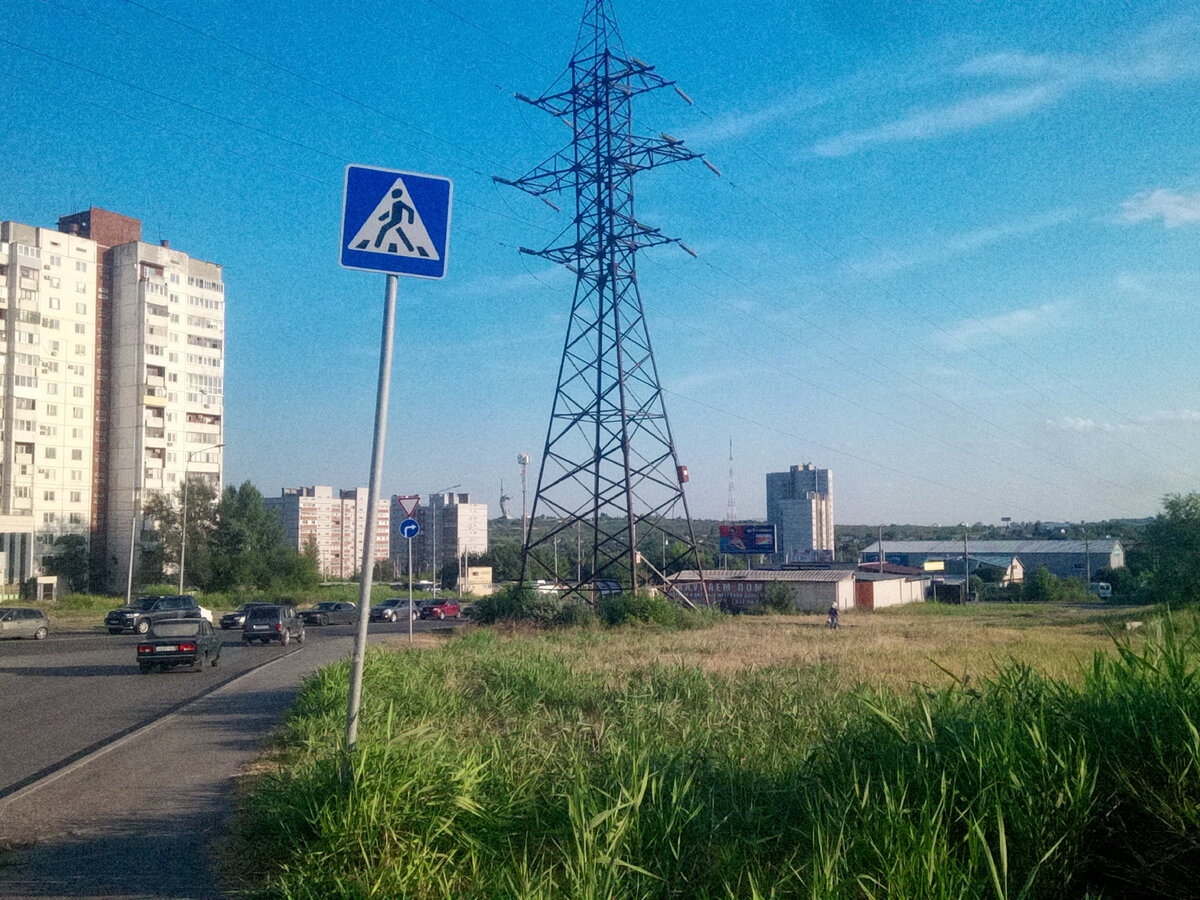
{"type": "Point", "coordinates": [395, 214]}
{"type": "Point", "coordinates": [395, 222]}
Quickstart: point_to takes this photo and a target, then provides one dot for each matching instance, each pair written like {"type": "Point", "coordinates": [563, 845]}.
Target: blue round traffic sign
{"type": "Point", "coordinates": [409, 528]}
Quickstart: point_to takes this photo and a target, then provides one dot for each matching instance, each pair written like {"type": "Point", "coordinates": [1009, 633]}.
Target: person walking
{"type": "Point", "coordinates": [833, 616]}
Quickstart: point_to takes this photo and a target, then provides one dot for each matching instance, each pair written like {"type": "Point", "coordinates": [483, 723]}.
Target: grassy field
{"type": "Point", "coordinates": [989, 751]}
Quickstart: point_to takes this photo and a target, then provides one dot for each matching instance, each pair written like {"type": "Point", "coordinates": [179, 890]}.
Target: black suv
{"type": "Point", "coordinates": [144, 611]}
{"type": "Point", "coordinates": [277, 622]}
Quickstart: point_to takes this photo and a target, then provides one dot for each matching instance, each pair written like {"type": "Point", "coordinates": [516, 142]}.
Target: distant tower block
{"type": "Point", "coordinates": [609, 465]}
{"type": "Point", "coordinates": [800, 506]}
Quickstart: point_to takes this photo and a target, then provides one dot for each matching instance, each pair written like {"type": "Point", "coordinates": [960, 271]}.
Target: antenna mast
{"type": "Point", "coordinates": [609, 463]}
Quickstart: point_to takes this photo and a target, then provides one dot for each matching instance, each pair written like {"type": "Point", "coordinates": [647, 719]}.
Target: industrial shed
{"type": "Point", "coordinates": [873, 590]}
{"type": "Point", "coordinates": [736, 589]}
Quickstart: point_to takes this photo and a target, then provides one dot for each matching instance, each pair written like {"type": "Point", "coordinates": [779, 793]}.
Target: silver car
{"type": "Point", "coordinates": [16, 622]}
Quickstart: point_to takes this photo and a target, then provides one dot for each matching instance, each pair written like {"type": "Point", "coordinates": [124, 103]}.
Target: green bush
{"type": "Point", "coordinates": [621, 609]}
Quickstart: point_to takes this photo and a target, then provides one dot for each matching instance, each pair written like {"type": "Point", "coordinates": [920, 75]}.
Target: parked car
{"type": "Point", "coordinates": [394, 609]}
{"type": "Point", "coordinates": [145, 611]}
{"type": "Point", "coordinates": [276, 622]}
{"type": "Point", "coordinates": [440, 609]}
{"type": "Point", "coordinates": [330, 612]}
{"type": "Point", "coordinates": [179, 642]}
{"type": "Point", "coordinates": [19, 622]}
{"type": "Point", "coordinates": [237, 618]}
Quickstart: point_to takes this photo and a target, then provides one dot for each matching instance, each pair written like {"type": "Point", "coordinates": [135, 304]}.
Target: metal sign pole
{"type": "Point", "coordinates": [368, 556]}
{"type": "Point", "coordinates": [410, 606]}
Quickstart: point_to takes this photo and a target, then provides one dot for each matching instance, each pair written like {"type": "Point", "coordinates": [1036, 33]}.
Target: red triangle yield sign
{"type": "Point", "coordinates": [408, 503]}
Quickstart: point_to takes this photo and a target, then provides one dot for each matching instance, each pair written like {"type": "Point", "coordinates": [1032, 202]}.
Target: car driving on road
{"type": "Point", "coordinates": [330, 612]}
{"type": "Point", "coordinates": [20, 622]}
{"type": "Point", "coordinates": [277, 622]}
{"type": "Point", "coordinates": [440, 609]}
{"type": "Point", "coordinates": [237, 618]}
{"type": "Point", "coordinates": [178, 642]}
{"type": "Point", "coordinates": [394, 609]}
{"type": "Point", "coordinates": [145, 611]}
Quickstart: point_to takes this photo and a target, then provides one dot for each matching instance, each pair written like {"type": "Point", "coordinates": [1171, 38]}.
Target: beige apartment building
{"type": "Point", "coordinates": [451, 528]}
{"type": "Point", "coordinates": [333, 524]}
{"type": "Point", "coordinates": [112, 388]}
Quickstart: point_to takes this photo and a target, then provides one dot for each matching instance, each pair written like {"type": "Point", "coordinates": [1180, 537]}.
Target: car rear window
{"type": "Point", "coordinates": [262, 613]}
{"type": "Point", "coordinates": [177, 629]}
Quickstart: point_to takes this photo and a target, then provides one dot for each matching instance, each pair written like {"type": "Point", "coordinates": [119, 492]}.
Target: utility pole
{"type": "Point", "coordinates": [609, 460]}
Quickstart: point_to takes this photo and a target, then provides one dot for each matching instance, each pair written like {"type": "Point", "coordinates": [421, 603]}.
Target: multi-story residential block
{"type": "Point", "coordinates": [113, 384]}
{"type": "Point", "coordinates": [451, 527]}
{"type": "Point", "coordinates": [47, 375]}
{"type": "Point", "coordinates": [800, 506]}
{"type": "Point", "coordinates": [316, 519]}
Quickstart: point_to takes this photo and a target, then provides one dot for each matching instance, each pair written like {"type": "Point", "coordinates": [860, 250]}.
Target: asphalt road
{"type": "Point", "coordinates": [118, 784]}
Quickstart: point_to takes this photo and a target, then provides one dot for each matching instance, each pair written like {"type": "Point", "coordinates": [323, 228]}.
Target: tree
{"type": "Point", "coordinates": [165, 511]}
{"type": "Point", "coordinates": [70, 561]}
{"type": "Point", "coordinates": [1174, 543]}
{"type": "Point", "coordinates": [249, 547]}
{"type": "Point", "coordinates": [1040, 587]}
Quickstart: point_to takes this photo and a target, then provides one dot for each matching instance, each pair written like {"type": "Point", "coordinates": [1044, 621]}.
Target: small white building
{"type": "Point", "coordinates": [738, 589]}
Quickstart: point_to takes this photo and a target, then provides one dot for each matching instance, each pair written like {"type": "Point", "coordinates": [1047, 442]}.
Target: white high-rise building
{"type": "Point", "coordinates": [166, 369]}
{"type": "Point", "coordinates": [800, 506]}
{"type": "Point", "coordinates": [48, 333]}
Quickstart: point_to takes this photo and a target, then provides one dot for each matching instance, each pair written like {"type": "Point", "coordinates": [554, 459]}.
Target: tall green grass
{"type": "Point", "coordinates": [493, 768]}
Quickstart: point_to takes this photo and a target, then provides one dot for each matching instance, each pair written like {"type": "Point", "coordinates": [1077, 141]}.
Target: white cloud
{"type": "Point", "coordinates": [1084, 426]}
{"type": "Point", "coordinates": [937, 122]}
{"type": "Point", "coordinates": [1173, 207]}
{"type": "Point", "coordinates": [1172, 415]}
{"type": "Point", "coordinates": [962, 244]}
{"type": "Point", "coordinates": [737, 125]}
{"type": "Point", "coordinates": [1167, 52]}
{"type": "Point", "coordinates": [1017, 323]}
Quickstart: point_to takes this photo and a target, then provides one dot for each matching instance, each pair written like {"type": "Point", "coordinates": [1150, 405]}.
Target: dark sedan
{"type": "Point", "coordinates": [237, 618]}
{"type": "Point", "coordinates": [330, 612]}
{"type": "Point", "coordinates": [178, 642]}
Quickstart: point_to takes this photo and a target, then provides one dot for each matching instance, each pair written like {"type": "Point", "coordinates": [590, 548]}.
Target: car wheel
{"type": "Point", "coordinates": [441, 614]}
{"type": "Point", "coordinates": [300, 637]}
{"type": "Point", "coordinates": [40, 634]}
{"type": "Point", "coordinates": [142, 626]}
{"type": "Point", "coordinates": [284, 638]}
{"type": "Point", "coordinates": [323, 620]}
{"type": "Point", "coordinates": [213, 662]}
{"type": "Point", "coordinates": [458, 615]}
{"type": "Point", "coordinates": [392, 618]}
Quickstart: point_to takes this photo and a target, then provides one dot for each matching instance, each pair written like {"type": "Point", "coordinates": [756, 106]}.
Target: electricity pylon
{"type": "Point", "coordinates": [610, 477]}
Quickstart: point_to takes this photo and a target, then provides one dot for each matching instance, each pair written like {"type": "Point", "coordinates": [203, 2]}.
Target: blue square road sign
{"type": "Point", "coordinates": [396, 222]}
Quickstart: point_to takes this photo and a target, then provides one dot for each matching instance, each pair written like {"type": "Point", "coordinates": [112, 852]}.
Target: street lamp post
{"type": "Point", "coordinates": [183, 516]}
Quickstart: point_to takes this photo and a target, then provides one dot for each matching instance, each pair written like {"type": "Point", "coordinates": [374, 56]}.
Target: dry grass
{"type": "Point", "coordinates": [892, 648]}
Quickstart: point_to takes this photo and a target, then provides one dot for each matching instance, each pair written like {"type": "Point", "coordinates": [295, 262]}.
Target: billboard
{"type": "Point", "coordinates": [819, 557]}
{"type": "Point", "coordinates": [748, 539]}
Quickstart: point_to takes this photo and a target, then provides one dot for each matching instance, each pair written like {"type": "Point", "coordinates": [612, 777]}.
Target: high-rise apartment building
{"type": "Point", "coordinates": [800, 506]}
{"type": "Point", "coordinates": [113, 385]}
{"type": "Point", "coordinates": [451, 526]}
{"type": "Point", "coordinates": [332, 524]}
{"type": "Point", "coordinates": [48, 320]}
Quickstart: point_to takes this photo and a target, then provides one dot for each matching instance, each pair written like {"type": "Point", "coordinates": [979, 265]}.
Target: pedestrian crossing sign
{"type": "Point", "coordinates": [396, 222]}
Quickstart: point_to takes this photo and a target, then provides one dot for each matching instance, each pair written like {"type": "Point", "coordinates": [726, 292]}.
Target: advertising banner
{"type": "Point", "coordinates": [748, 539]}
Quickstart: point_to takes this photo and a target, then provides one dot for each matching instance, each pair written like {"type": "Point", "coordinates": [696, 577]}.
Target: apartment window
{"type": "Point", "coordinates": [81, 287]}
{"type": "Point", "coordinates": [51, 387]}
{"type": "Point", "coordinates": [81, 349]}
{"type": "Point", "coordinates": [47, 519]}
{"type": "Point", "coordinates": [56, 260]}
{"type": "Point", "coordinates": [77, 455]}
{"type": "Point", "coordinates": [80, 265]}
{"type": "Point", "coordinates": [81, 309]}
{"type": "Point", "coordinates": [154, 350]}
{"type": "Point", "coordinates": [25, 381]}
{"type": "Point", "coordinates": [76, 433]}
{"type": "Point", "coordinates": [51, 409]}
{"type": "Point", "coordinates": [75, 368]}
{"type": "Point", "coordinates": [48, 495]}
{"type": "Point", "coordinates": [76, 496]}
{"type": "Point", "coordinates": [22, 491]}
{"type": "Point", "coordinates": [24, 403]}
{"type": "Point", "coordinates": [51, 452]}
{"type": "Point", "coordinates": [55, 282]}
{"type": "Point", "coordinates": [76, 518]}
{"type": "Point", "coordinates": [48, 430]}
{"type": "Point", "coordinates": [77, 412]}
{"type": "Point", "coordinates": [77, 390]}
{"type": "Point", "coordinates": [24, 424]}
{"type": "Point", "coordinates": [51, 323]}
{"type": "Point", "coordinates": [80, 328]}
{"type": "Point", "coordinates": [76, 475]}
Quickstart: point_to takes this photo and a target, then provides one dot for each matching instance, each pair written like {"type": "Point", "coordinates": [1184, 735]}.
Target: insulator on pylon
{"type": "Point", "coordinates": [688, 250]}
{"type": "Point", "coordinates": [638, 62]}
{"type": "Point", "coordinates": [670, 140]}
{"type": "Point", "coordinates": [502, 180]}
{"type": "Point", "coordinates": [523, 98]}
{"type": "Point", "coordinates": [549, 204]}
{"type": "Point", "coordinates": [686, 98]}
{"type": "Point", "coordinates": [714, 169]}
{"type": "Point", "coordinates": [567, 122]}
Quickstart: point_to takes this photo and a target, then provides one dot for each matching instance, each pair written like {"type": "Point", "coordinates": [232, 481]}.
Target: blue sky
{"type": "Point", "coordinates": [953, 254]}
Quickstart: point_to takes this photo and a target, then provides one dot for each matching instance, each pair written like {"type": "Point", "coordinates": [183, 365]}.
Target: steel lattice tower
{"type": "Point", "coordinates": [609, 478]}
